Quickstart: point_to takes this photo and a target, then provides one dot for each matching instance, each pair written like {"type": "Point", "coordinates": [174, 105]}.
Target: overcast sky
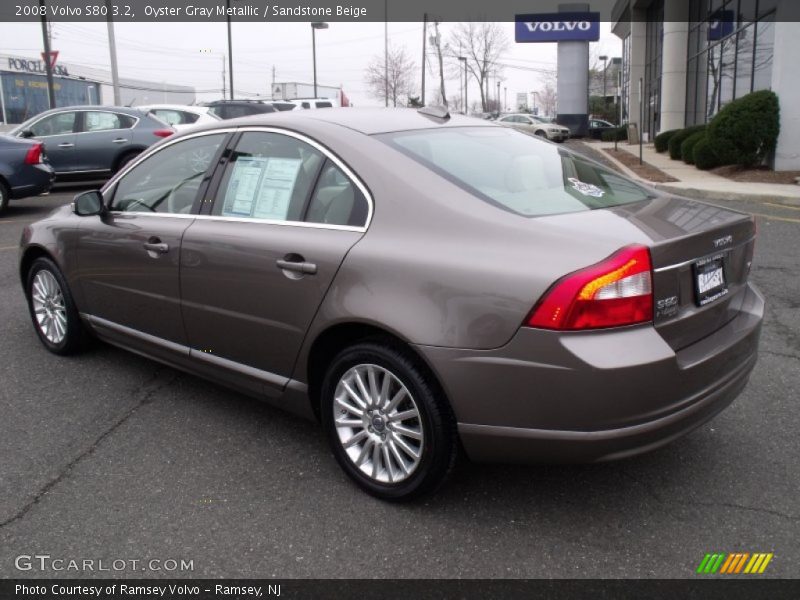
{"type": "Point", "coordinates": [171, 52]}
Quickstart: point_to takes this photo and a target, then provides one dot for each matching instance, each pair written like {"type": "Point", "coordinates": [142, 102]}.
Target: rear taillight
{"type": "Point", "coordinates": [34, 155]}
{"type": "Point", "coordinates": [163, 132]}
{"type": "Point", "coordinates": [616, 291]}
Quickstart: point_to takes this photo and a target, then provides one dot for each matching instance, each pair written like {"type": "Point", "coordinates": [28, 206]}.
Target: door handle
{"type": "Point", "coordinates": [66, 145]}
{"type": "Point", "coordinates": [119, 141]}
{"type": "Point", "coordinates": [156, 245]}
{"type": "Point", "coordinates": [297, 266]}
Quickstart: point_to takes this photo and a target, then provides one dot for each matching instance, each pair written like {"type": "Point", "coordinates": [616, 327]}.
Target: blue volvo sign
{"type": "Point", "coordinates": [558, 27]}
{"type": "Point", "coordinates": [721, 24]}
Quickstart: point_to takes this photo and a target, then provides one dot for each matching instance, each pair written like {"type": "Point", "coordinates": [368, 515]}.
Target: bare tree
{"type": "Point", "coordinates": [400, 76]}
{"type": "Point", "coordinates": [437, 42]}
{"type": "Point", "coordinates": [482, 44]}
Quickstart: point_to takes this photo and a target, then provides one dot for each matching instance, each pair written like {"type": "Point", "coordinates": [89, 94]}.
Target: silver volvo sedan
{"type": "Point", "coordinates": [421, 284]}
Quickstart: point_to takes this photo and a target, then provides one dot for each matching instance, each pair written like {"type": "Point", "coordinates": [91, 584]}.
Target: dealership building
{"type": "Point", "coordinates": [691, 57]}
{"type": "Point", "coordinates": [23, 88]}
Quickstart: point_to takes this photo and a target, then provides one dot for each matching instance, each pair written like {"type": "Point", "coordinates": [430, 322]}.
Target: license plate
{"type": "Point", "coordinates": [710, 281]}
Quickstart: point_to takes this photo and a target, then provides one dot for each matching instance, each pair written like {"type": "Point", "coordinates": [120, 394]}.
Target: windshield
{"type": "Point", "coordinates": [516, 171]}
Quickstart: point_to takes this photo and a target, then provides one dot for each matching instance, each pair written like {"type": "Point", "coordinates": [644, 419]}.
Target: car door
{"type": "Point", "coordinates": [57, 131]}
{"type": "Point", "coordinates": [129, 257]}
{"type": "Point", "coordinates": [255, 270]}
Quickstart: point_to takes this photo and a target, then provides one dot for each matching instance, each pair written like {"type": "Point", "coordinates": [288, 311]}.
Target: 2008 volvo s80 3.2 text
{"type": "Point", "coordinates": [419, 283]}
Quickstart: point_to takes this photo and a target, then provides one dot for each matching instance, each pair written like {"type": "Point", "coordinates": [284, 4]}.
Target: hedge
{"type": "Point", "coordinates": [687, 147]}
{"type": "Point", "coordinates": [662, 139]}
{"type": "Point", "coordinates": [746, 130]}
{"type": "Point", "coordinates": [678, 138]}
{"type": "Point", "coordinates": [704, 156]}
{"type": "Point", "coordinates": [619, 134]}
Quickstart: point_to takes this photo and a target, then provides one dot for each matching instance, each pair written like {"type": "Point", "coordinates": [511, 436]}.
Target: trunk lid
{"type": "Point", "coordinates": [701, 257]}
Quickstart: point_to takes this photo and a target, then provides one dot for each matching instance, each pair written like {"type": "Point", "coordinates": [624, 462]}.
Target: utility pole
{"type": "Point", "coordinates": [424, 39]}
{"type": "Point", "coordinates": [230, 46]}
{"type": "Point", "coordinates": [438, 40]}
{"type": "Point", "coordinates": [466, 85]}
{"type": "Point", "coordinates": [224, 78]}
{"type": "Point", "coordinates": [498, 95]}
{"type": "Point", "coordinates": [386, 51]}
{"type": "Point", "coordinates": [272, 88]}
{"type": "Point", "coordinates": [47, 63]}
{"type": "Point", "coordinates": [112, 51]}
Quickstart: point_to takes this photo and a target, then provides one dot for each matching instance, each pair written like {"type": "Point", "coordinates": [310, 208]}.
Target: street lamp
{"type": "Point", "coordinates": [605, 67]}
{"type": "Point", "coordinates": [314, 27]}
{"type": "Point", "coordinates": [466, 84]}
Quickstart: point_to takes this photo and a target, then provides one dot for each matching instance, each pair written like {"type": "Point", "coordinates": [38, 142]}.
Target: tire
{"type": "Point", "coordinates": [398, 476]}
{"type": "Point", "coordinates": [541, 134]}
{"type": "Point", "coordinates": [126, 158]}
{"type": "Point", "coordinates": [4, 197]}
{"type": "Point", "coordinates": [64, 334]}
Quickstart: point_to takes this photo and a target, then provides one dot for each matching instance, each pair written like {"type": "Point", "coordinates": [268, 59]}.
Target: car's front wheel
{"type": "Point", "coordinates": [388, 423]}
{"type": "Point", "coordinates": [52, 309]}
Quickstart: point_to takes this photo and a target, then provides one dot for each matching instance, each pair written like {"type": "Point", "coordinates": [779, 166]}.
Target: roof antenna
{"type": "Point", "coordinates": [435, 112]}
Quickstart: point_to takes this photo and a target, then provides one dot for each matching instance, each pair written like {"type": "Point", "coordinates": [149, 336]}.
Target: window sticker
{"type": "Point", "coordinates": [240, 195]}
{"type": "Point", "coordinates": [587, 189]}
{"type": "Point", "coordinates": [275, 189]}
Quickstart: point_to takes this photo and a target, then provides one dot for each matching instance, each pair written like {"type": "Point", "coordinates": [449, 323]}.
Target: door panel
{"type": "Point", "coordinates": [254, 271]}
{"type": "Point", "coordinates": [127, 279]}
{"type": "Point", "coordinates": [104, 135]}
{"type": "Point", "coordinates": [240, 305]}
{"type": "Point", "coordinates": [57, 131]}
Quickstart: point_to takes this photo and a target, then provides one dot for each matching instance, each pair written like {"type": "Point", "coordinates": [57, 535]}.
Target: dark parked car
{"type": "Point", "coordinates": [232, 109]}
{"type": "Point", "coordinates": [418, 282]}
{"type": "Point", "coordinates": [24, 170]}
{"type": "Point", "coordinates": [597, 127]}
{"type": "Point", "coordinates": [93, 141]}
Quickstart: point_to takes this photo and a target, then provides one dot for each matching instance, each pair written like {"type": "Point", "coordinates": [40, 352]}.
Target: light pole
{"type": "Point", "coordinates": [498, 97]}
{"type": "Point", "coordinates": [534, 102]}
{"type": "Point", "coordinates": [605, 67]}
{"type": "Point", "coordinates": [230, 46]}
{"type": "Point", "coordinates": [314, 27]}
{"type": "Point", "coordinates": [466, 85]}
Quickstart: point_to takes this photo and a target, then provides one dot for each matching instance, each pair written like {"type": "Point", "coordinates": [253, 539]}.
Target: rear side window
{"type": "Point", "coordinates": [324, 105]}
{"type": "Point", "coordinates": [269, 176]}
{"type": "Point", "coordinates": [337, 200]}
{"type": "Point", "coordinates": [175, 117]}
{"type": "Point", "coordinates": [516, 171]}
{"type": "Point", "coordinates": [102, 121]}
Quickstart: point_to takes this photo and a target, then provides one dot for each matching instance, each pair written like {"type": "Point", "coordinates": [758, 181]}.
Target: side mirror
{"type": "Point", "coordinates": [26, 133]}
{"type": "Point", "coordinates": [88, 204]}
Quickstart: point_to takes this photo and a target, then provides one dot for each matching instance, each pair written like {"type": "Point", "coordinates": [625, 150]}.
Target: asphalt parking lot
{"type": "Point", "coordinates": [112, 456]}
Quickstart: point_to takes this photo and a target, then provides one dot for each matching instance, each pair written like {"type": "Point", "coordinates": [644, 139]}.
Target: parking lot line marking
{"type": "Point", "coordinates": [783, 206]}
{"type": "Point", "coordinates": [774, 218]}
{"type": "Point", "coordinates": [8, 248]}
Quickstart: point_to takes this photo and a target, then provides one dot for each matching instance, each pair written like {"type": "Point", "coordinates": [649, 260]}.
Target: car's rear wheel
{"type": "Point", "coordinates": [4, 196]}
{"type": "Point", "coordinates": [388, 423]}
{"type": "Point", "coordinates": [52, 309]}
{"type": "Point", "coordinates": [125, 159]}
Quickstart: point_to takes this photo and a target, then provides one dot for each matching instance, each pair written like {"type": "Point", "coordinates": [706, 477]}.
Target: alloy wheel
{"type": "Point", "coordinates": [48, 307]}
{"type": "Point", "coordinates": [378, 423]}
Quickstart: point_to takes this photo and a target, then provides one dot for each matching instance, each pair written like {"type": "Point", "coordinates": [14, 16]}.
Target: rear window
{"type": "Point", "coordinates": [516, 171]}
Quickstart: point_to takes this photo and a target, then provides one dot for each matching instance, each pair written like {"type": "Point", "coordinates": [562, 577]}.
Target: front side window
{"type": "Point", "coordinates": [168, 181]}
{"type": "Point", "coordinates": [57, 124]}
{"type": "Point", "coordinates": [103, 121]}
{"type": "Point", "coordinates": [515, 171]}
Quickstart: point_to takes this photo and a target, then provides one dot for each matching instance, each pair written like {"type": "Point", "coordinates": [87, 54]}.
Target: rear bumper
{"type": "Point", "coordinates": [32, 180]}
{"type": "Point", "coordinates": [549, 397]}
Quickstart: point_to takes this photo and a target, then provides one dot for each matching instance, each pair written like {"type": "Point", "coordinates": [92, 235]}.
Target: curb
{"type": "Point", "coordinates": [705, 194]}
{"type": "Point", "coordinates": [680, 188]}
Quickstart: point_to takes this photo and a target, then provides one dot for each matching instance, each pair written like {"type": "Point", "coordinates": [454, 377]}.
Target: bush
{"type": "Point", "coordinates": [678, 138]}
{"type": "Point", "coordinates": [704, 155]}
{"type": "Point", "coordinates": [687, 147]}
{"type": "Point", "coordinates": [620, 134]}
{"type": "Point", "coordinates": [746, 130]}
{"type": "Point", "coordinates": [662, 139]}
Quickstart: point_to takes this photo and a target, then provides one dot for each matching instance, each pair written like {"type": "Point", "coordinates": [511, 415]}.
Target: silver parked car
{"type": "Point", "coordinates": [536, 126]}
{"type": "Point", "coordinates": [93, 141]}
{"type": "Point", "coordinates": [420, 283]}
